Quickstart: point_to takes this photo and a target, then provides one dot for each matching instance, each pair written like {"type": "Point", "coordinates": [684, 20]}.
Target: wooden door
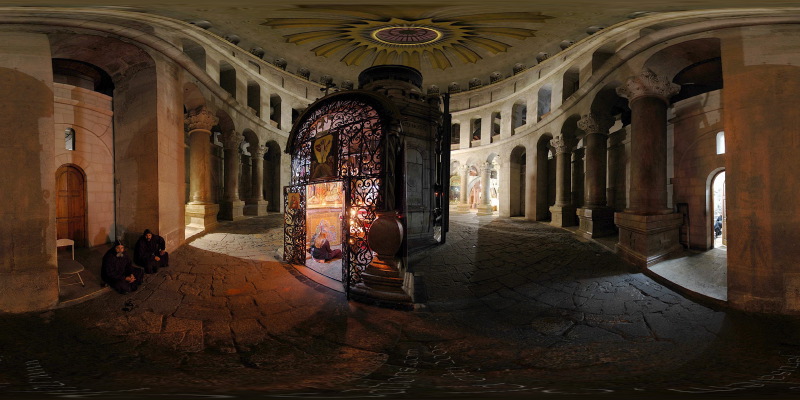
{"type": "Point", "coordinates": [71, 205]}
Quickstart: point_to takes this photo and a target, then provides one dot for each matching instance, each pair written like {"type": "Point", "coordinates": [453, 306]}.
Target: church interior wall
{"type": "Point", "coordinates": [170, 144]}
{"type": "Point", "coordinates": [761, 75]}
{"type": "Point", "coordinates": [89, 114]}
{"type": "Point", "coordinates": [28, 269]}
{"type": "Point", "coordinates": [695, 125]}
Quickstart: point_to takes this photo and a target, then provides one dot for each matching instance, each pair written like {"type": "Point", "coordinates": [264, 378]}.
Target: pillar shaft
{"type": "Point", "coordinates": [256, 193]}
{"type": "Point", "coordinates": [200, 166]}
{"type": "Point", "coordinates": [232, 161]}
{"type": "Point", "coordinates": [464, 181]}
{"type": "Point", "coordinates": [648, 155]}
{"type": "Point", "coordinates": [595, 179]}
{"type": "Point", "coordinates": [485, 185]}
{"type": "Point", "coordinates": [563, 171]}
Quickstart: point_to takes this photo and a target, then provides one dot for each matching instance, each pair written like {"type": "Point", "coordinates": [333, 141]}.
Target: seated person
{"type": "Point", "coordinates": [150, 252]}
{"type": "Point", "coordinates": [118, 271]}
{"type": "Point", "coordinates": [321, 248]}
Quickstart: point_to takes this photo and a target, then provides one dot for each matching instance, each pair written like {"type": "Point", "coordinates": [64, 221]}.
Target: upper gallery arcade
{"type": "Point", "coordinates": [117, 121]}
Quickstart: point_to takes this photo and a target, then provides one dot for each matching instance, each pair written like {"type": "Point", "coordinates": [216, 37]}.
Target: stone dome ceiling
{"type": "Point", "coordinates": [448, 41]}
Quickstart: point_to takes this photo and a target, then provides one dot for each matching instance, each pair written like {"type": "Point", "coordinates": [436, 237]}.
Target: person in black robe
{"type": "Point", "coordinates": [150, 252]}
{"type": "Point", "coordinates": [118, 270]}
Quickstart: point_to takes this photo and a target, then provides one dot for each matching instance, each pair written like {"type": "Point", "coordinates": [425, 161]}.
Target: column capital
{"type": "Point", "coordinates": [232, 140]}
{"type": "Point", "coordinates": [487, 165]}
{"type": "Point", "coordinates": [562, 144]}
{"type": "Point", "coordinates": [647, 83]}
{"type": "Point", "coordinates": [595, 123]}
{"type": "Point", "coordinates": [199, 118]}
{"type": "Point", "coordinates": [259, 152]}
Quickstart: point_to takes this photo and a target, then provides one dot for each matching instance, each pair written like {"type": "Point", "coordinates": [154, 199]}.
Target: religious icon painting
{"type": "Point", "coordinates": [294, 201]}
{"type": "Point", "coordinates": [323, 163]}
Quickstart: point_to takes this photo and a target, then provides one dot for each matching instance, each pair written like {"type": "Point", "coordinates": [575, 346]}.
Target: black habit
{"type": "Point", "coordinates": [146, 251]}
{"type": "Point", "coordinates": [115, 269]}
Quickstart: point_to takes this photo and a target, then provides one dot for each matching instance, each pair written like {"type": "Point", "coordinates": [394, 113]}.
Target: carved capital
{"type": "Point", "coordinates": [562, 145]}
{"type": "Point", "coordinates": [595, 123]}
{"type": "Point", "coordinates": [648, 83]}
{"type": "Point", "coordinates": [199, 118]}
{"type": "Point", "coordinates": [232, 140]}
{"type": "Point", "coordinates": [259, 151]}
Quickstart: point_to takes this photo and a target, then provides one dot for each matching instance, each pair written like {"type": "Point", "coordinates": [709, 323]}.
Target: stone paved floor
{"type": "Point", "coordinates": [514, 309]}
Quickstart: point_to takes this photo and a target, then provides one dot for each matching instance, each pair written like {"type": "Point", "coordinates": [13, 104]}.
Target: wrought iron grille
{"type": "Point", "coordinates": [294, 224]}
{"type": "Point", "coordinates": [358, 127]}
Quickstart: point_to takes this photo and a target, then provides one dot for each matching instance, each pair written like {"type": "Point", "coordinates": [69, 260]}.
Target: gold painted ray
{"type": "Point", "coordinates": [438, 59]}
{"type": "Point", "coordinates": [516, 33]}
{"type": "Point", "coordinates": [306, 22]}
{"type": "Point", "coordinates": [490, 44]}
{"type": "Point", "coordinates": [305, 37]}
{"type": "Point", "coordinates": [330, 48]}
{"type": "Point", "coordinates": [381, 58]}
{"type": "Point", "coordinates": [464, 53]}
{"type": "Point", "coordinates": [376, 11]}
{"type": "Point", "coordinates": [355, 56]}
{"type": "Point", "coordinates": [410, 59]}
{"type": "Point", "coordinates": [502, 17]}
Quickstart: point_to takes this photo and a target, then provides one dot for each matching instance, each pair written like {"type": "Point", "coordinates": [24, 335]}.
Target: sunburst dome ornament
{"type": "Point", "coordinates": [366, 34]}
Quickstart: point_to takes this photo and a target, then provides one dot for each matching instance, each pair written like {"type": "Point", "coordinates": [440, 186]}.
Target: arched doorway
{"type": "Point", "coordinates": [517, 177]}
{"type": "Point", "coordinates": [719, 220]}
{"type": "Point", "coordinates": [545, 179]}
{"type": "Point", "coordinates": [71, 204]}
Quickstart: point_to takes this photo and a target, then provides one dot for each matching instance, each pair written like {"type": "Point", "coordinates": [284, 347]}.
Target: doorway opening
{"type": "Point", "coordinates": [719, 222]}
{"type": "Point", "coordinates": [71, 204]}
{"type": "Point", "coordinates": [324, 215]}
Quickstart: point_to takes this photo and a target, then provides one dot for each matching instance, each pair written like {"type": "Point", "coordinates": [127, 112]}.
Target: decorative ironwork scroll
{"type": "Point", "coordinates": [294, 224]}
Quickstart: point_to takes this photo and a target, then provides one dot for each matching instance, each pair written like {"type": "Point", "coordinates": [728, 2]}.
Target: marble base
{"type": "Point", "coordinates": [231, 210]}
{"type": "Point", "coordinates": [203, 216]}
{"type": "Point", "coordinates": [645, 240]}
{"type": "Point", "coordinates": [381, 285]}
{"type": "Point", "coordinates": [563, 216]}
{"type": "Point", "coordinates": [485, 210]}
{"type": "Point", "coordinates": [596, 222]}
{"type": "Point", "coordinates": [462, 208]}
{"type": "Point", "coordinates": [256, 208]}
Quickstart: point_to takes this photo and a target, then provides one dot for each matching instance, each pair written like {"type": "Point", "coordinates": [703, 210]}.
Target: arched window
{"type": "Point", "coordinates": [721, 143]}
{"type": "Point", "coordinates": [69, 139]}
{"type": "Point", "coordinates": [545, 94]}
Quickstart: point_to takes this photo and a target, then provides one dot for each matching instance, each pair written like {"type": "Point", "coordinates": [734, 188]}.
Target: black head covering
{"type": "Point", "coordinates": [118, 243]}
{"type": "Point", "coordinates": [146, 231]}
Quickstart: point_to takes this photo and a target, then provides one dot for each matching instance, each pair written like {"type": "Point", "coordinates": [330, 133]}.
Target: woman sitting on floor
{"type": "Point", "coordinates": [321, 249]}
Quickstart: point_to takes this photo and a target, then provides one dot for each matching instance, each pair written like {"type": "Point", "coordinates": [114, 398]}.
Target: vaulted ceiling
{"type": "Point", "coordinates": [446, 40]}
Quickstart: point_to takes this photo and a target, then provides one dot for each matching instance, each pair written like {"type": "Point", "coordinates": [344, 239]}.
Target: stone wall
{"type": "Point", "coordinates": [695, 125]}
{"type": "Point", "coordinates": [760, 66]}
{"type": "Point", "coordinates": [28, 269]}
{"type": "Point", "coordinates": [89, 114]}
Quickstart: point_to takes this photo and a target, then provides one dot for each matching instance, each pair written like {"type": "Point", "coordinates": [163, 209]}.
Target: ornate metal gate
{"type": "Point", "coordinates": [340, 138]}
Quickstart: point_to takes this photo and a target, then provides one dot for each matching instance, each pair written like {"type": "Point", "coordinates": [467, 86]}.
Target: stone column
{"type": "Point", "coordinates": [256, 205]}
{"type": "Point", "coordinates": [200, 212]}
{"type": "Point", "coordinates": [596, 219]}
{"type": "Point", "coordinates": [244, 177]}
{"type": "Point", "coordinates": [563, 212]}
{"type": "Point", "coordinates": [577, 168]}
{"type": "Point", "coordinates": [463, 205]}
{"type": "Point", "coordinates": [505, 123]}
{"type": "Point", "coordinates": [231, 207]}
{"type": "Point", "coordinates": [485, 205]}
{"type": "Point", "coordinates": [648, 229]}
